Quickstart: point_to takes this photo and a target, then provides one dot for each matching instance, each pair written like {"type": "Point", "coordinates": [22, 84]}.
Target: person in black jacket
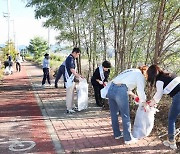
{"type": "Point", "coordinates": [99, 80]}
{"type": "Point", "coordinates": [166, 83]}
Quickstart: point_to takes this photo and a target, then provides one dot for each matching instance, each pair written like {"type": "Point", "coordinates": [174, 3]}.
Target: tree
{"type": "Point", "coordinates": [37, 47]}
{"type": "Point", "coordinates": [166, 26]}
{"type": "Point", "coordinates": [9, 49]}
{"type": "Point", "coordinates": [140, 32]}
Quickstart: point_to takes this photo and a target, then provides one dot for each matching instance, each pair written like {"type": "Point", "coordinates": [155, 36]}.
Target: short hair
{"type": "Point", "coordinates": [46, 54]}
{"type": "Point", "coordinates": [106, 64]}
{"type": "Point", "coordinates": [76, 50]}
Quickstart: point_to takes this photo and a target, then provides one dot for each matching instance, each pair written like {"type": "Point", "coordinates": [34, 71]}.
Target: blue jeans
{"type": "Point", "coordinates": [172, 116]}
{"type": "Point", "coordinates": [61, 71]}
{"type": "Point", "coordinates": [118, 101]}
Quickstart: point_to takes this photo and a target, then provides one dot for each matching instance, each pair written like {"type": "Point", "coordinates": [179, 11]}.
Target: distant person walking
{"type": "Point", "coordinates": [9, 61]}
{"type": "Point", "coordinates": [46, 67]}
{"type": "Point", "coordinates": [18, 62]}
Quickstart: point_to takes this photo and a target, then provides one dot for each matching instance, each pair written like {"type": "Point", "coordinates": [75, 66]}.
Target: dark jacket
{"type": "Point", "coordinates": [96, 75]}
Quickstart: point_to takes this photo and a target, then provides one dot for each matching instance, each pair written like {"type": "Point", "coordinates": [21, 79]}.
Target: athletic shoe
{"type": "Point", "coordinates": [70, 111]}
{"type": "Point", "coordinates": [172, 145]}
{"type": "Point", "coordinates": [118, 137]}
{"type": "Point", "coordinates": [75, 108]}
{"type": "Point", "coordinates": [56, 86]}
{"type": "Point", "coordinates": [132, 141]}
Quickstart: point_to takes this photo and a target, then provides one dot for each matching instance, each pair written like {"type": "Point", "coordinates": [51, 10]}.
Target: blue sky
{"type": "Point", "coordinates": [23, 25]}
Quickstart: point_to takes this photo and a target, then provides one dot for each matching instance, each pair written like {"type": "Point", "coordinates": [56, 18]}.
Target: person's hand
{"type": "Point", "coordinates": [80, 76]}
{"type": "Point", "coordinates": [145, 106]}
{"type": "Point", "coordinates": [100, 82]}
{"type": "Point", "coordinates": [104, 84]}
{"type": "Point", "coordinates": [151, 103]}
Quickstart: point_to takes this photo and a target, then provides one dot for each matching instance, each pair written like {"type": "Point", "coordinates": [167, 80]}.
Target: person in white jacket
{"type": "Point", "coordinates": [18, 62]}
{"type": "Point", "coordinates": [46, 67]}
{"type": "Point", "coordinates": [117, 94]}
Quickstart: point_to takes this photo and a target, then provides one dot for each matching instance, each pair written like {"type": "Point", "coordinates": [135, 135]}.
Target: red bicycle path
{"type": "Point", "coordinates": [21, 117]}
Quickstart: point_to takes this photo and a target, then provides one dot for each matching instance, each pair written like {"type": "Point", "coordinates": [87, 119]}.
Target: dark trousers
{"type": "Point", "coordinates": [18, 66]}
{"type": "Point", "coordinates": [46, 76]}
{"type": "Point", "coordinates": [97, 94]}
{"type": "Point", "coordinates": [60, 72]}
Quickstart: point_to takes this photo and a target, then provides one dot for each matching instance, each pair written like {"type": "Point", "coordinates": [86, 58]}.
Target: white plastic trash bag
{"type": "Point", "coordinates": [8, 70]}
{"type": "Point", "coordinates": [82, 94]}
{"type": "Point", "coordinates": [144, 122]}
{"type": "Point", "coordinates": [104, 90]}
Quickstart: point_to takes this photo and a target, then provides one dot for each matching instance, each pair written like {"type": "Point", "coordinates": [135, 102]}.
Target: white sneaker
{"type": "Point", "coordinates": [75, 108]}
{"type": "Point", "coordinates": [70, 111]}
{"type": "Point", "coordinates": [43, 86]}
{"type": "Point", "coordinates": [172, 145]}
{"type": "Point", "coordinates": [132, 141]}
{"type": "Point", "coordinates": [118, 137]}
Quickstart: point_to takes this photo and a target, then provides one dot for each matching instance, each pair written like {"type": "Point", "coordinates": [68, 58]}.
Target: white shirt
{"type": "Point", "coordinates": [159, 91]}
{"type": "Point", "coordinates": [46, 63]}
{"type": "Point", "coordinates": [18, 59]}
{"type": "Point", "coordinates": [133, 78]}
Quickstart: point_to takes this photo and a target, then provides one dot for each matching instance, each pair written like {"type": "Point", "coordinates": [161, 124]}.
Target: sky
{"type": "Point", "coordinates": [23, 25]}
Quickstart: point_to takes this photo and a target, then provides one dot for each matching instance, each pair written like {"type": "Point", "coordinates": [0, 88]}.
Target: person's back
{"type": "Point", "coordinates": [132, 78]}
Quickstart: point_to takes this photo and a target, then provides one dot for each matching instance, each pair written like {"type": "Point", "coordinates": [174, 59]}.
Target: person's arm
{"type": "Point", "coordinates": [75, 73]}
{"type": "Point", "coordinates": [140, 88]}
{"type": "Point", "coordinates": [159, 91]}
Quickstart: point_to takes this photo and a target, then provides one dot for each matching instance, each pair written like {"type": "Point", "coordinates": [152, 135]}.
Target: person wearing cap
{"type": "Point", "coordinates": [122, 86]}
{"type": "Point", "coordinates": [46, 67]}
{"type": "Point", "coordinates": [99, 80]}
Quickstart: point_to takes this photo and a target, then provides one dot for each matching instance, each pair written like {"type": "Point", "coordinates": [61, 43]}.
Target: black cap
{"type": "Point", "coordinates": [46, 54]}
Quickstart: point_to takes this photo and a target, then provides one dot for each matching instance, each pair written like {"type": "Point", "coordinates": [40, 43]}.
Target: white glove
{"type": "Point", "coordinates": [100, 82]}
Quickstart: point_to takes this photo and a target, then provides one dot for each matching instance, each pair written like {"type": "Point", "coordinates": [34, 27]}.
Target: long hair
{"type": "Point", "coordinates": [153, 72]}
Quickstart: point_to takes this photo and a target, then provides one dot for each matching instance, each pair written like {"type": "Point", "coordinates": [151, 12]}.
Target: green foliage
{"type": "Point", "coordinates": [9, 48]}
{"type": "Point", "coordinates": [81, 22]}
{"type": "Point", "coordinates": [37, 47]}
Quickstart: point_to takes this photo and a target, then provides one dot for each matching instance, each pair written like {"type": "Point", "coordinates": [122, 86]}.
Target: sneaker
{"type": "Point", "coordinates": [132, 141]}
{"type": "Point", "coordinates": [75, 108]}
{"type": "Point", "coordinates": [118, 137]}
{"type": "Point", "coordinates": [56, 86]}
{"type": "Point", "coordinates": [172, 145]}
{"type": "Point", "coordinates": [43, 86]}
{"type": "Point", "coordinates": [70, 111]}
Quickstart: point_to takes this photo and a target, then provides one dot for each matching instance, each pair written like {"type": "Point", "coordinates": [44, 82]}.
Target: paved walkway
{"type": "Point", "coordinates": [36, 118]}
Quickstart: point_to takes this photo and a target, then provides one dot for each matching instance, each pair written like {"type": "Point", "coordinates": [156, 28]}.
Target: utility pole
{"type": "Point", "coordinates": [8, 16]}
{"type": "Point", "coordinates": [14, 35]}
{"type": "Point", "coordinates": [49, 39]}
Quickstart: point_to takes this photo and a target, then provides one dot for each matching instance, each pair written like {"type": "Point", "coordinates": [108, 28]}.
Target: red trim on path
{"type": "Point", "coordinates": [21, 117]}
